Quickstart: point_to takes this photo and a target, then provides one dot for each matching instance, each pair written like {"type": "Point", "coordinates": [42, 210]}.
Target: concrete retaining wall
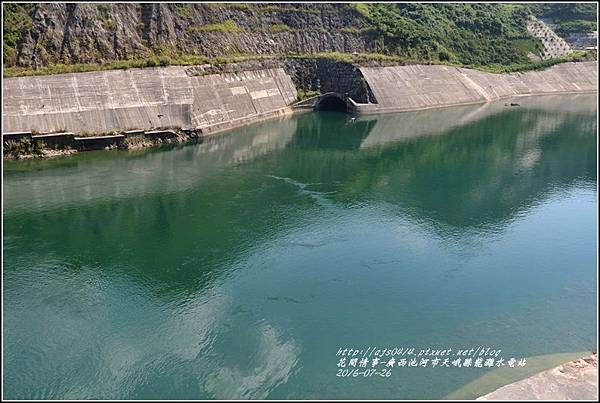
{"type": "Point", "coordinates": [97, 142]}
{"type": "Point", "coordinates": [54, 140]}
{"type": "Point", "coordinates": [395, 127]}
{"type": "Point", "coordinates": [142, 99]}
{"type": "Point", "coordinates": [146, 99]}
{"type": "Point", "coordinates": [405, 88]}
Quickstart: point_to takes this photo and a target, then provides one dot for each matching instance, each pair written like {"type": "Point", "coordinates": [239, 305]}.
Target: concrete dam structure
{"type": "Point", "coordinates": [163, 97]}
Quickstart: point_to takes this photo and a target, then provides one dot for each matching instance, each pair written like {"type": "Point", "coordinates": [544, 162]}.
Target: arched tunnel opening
{"type": "Point", "coordinates": [332, 103]}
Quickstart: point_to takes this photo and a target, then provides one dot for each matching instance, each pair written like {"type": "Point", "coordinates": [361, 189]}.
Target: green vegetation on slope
{"type": "Point", "coordinates": [471, 34]}
{"type": "Point", "coordinates": [359, 59]}
{"type": "Point", "coordinates": [492, 37]}
{"type": "Point", "coordinates": [568, 17]}
{"type": "Point", "coordinates": [16, 19]}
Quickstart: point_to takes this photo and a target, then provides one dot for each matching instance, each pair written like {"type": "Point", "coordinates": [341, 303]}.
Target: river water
{"type": "Point", "coordinates": [239, 267]}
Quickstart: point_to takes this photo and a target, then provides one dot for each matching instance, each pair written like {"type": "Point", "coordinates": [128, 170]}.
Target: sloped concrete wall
{"type": "Point", "coordinates": [404, 88]}
{"type": "Point", "coordinates": [396, 127]}
{"type": "Point", "coordinates": [121, 100]}
{"type": "Point", "coordinates": [142, 99]}
{"type": "Point", "coordinates": [223, 98]}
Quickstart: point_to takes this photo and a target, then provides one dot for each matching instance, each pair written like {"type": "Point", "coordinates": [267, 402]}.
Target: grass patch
{"type": "Point", "coordinates": [354, 30]}
{"type": "Point", "coordinates": [357, 59]}
{"type": "Point", "coordinates": [279, 9]}
{"type": "Point", "coordinates": [225, 26]}
{"type": "Point", "coordinates": [578, 56]}
{"type": "Point", "coordinates": [184, 10]}
{"type": "Point", "coordinates": [154, 61]}
{"type": "Point", "coordinates": [279, 28]}
{"type": "Point", "coordinates": [302, 94]}
{"type": "Point", "coordinates": [238, 6]}
{"type": "Point", "coordinates": [361, 8]}
{"type": "Point", "coordinates": [24, 148]}
{"type": "Point", "coordinates": [104, 11]}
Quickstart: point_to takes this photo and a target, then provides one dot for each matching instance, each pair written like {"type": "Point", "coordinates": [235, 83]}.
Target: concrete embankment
{"type": "Point", "coordinates": [143, 99]}
{"type": "Point", "coordinates": [575, 380]}
{"type": "Point", "coordinates": [396, 127]}
{"type": "Point", "coordinates": [406, 88]}
{"type": "Point", "coordinates": [197, 102]}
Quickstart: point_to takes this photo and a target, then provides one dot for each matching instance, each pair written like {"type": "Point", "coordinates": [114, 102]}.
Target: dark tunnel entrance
{"type": "Point", "coordinates": [332, 103]}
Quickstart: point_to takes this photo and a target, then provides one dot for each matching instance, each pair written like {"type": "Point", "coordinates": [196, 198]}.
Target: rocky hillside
{"type": "Point", "coordinates": [96, 33]}
{"type": "Point", "coordinates": [48, 34]}
{"type": "Point", "coordinates": [568, 18]}
{"type": "Point", "coordinates": [575, 23]}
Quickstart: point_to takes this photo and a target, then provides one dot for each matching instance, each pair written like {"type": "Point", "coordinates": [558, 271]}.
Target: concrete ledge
{"type": "Point", "coordinates": [98, 142]}
{"type": "Point", "coordinates": [160, 134]}
{"type": "Point", "coordinates": [131, 133]}
{"type": "Point", "coordinates": [68, 140]}
{"type": "Point", "coordinates": [15, 136]}
{"type": "Point", "coordinates": [55, 139]}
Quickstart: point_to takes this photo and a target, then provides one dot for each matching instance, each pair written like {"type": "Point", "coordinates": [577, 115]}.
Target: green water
{"type": "Point", "coordinates": [238, 267]}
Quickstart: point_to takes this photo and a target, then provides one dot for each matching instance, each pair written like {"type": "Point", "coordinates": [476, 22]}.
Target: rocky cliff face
{"type": "Point", "coordinates": [97, 33]}
{"type": "Point", "coordinates": [582, 40]}
{"type": "Point", "coordinates": [147, 34]}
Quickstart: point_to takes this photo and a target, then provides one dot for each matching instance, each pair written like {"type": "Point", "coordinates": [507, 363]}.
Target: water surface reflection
{"type": "Point", "coordinates": [237, 267]}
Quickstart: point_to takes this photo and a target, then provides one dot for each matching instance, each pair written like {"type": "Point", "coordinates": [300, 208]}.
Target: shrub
{"type": "Point", "coordinates": [305, 94]}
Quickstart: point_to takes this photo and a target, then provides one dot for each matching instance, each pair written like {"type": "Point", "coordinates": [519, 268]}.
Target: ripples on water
{"type": "Point", "coordinates": [236, 268]}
